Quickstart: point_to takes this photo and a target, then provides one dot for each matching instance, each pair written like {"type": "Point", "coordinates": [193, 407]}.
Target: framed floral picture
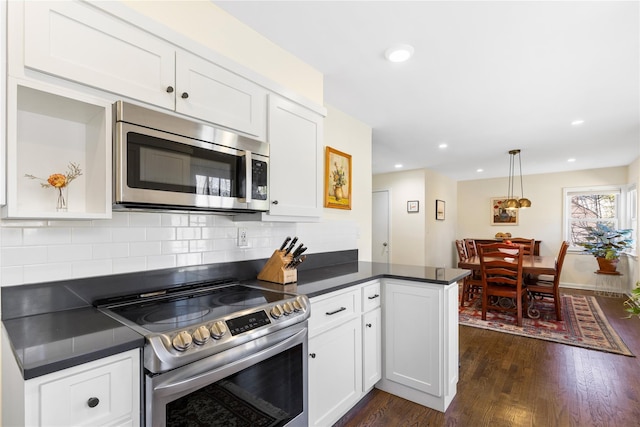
{"type": "Point", "coordinates": [337, 179]}
{"type": "Point", "coordinates": [500, 215]}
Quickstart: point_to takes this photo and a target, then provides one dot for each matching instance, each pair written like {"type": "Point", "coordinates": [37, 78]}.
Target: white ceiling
{"type": "Point", "coordinates": [486, 77]}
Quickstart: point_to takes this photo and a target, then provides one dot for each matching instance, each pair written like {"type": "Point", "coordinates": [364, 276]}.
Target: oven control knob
{"type": "Point", "coordinates": [276, 311]}
{"type": "Point", "coordinates": [297, 305]}
{"type": "Point", "coordinates": [301, 302]}
{"type": "Point", "coordinates": [288, 308]}
{"type": "Point", "coordinates": [201, 335]}
{"type": "Point", "coordinates": [182, 341]}
{"type": "Point", "coordinates": [218, 330]}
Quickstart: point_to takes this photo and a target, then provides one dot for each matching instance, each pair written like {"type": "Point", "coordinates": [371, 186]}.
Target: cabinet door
{"type": "Point", "coordinates": [371, 348]}
{"type": "Point", "coordinates": [335, 373]}
{"type": "Point", "coordinates": [211, 93]}
{"type": "Point", "coordinates": [413, 336]}
{"type": "Point", "coordinates": [76, 41]}
{"type": "Point", "coordinates": [93, 394]}
{"type": "Point", "coordinates": [295, 140]}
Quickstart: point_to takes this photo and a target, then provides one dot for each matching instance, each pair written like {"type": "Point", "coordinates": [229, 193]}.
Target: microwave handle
{"type": "Point", "coordinates": [248, 167]}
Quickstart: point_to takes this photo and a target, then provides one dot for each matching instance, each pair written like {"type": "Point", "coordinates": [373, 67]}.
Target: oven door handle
{"type": "Point", "coordinates": [218, 366]}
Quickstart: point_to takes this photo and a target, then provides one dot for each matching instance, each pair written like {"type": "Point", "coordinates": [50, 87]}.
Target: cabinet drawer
{"type": "Point", "coordinates": [329, 312]}
{"type": "Point", "coordinates": [94, 394]}
{"type": "Point", "coordinates": [371, 296]}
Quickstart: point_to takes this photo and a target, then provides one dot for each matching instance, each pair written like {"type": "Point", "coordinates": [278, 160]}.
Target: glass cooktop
{"type": "Point", "coordinates": [186, 310]}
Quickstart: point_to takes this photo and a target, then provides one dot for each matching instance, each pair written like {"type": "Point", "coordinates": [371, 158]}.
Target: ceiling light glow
{"type": "Point", "coordinates": [577, 122]}
{"type": "Point", "coordinates": [398, 166]}
{"type": "Point", "coordinates": [571, 160]}
{"type": "Point", "coordinates": [399, 53]}
{"type": "Point", "coordinates": [479, 170]}
{"type": "Point", "coordinates": [443, 145]}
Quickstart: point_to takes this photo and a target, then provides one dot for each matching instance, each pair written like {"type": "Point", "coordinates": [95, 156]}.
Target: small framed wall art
{"type": "Point", "coordinates": [440, 210]}
{"type": "Point", "coordinates": [413, 206]}
{"type": "Point", "coordinates": [500, 215]}
{"type": "Point", "coordinates": [337, 179]}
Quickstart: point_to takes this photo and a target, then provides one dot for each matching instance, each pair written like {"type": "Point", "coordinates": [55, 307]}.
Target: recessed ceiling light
{"type": "Point", "coordinates": [398, 166]}
{"type": "Point", "coordinates": [479, 170]}
{"type": "Point", "coordinates": [443, 145]}
{"type": "Point", "coordinates": [571, 160]}
{"type": "Point", "coordinates": [399, 53]}
{"type": "Point", "coordinates": [577, 122]}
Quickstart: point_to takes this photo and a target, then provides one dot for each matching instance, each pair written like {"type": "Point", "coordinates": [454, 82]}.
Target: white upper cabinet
{"type": "Point", "coordinates": [295, 141]}
{"type": "Point", "coordinates": [207, 90]}
{"type": "Point", "coordinates": [75, 41]}
{"type": "Point", "coordinates": [81, 43]}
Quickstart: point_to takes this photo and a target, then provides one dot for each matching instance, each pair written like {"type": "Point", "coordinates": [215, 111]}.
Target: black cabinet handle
{"type": "Point", "coordinates": [374, 297]}
{"type": "Point", "coordinates": [369, 325]}
{"type": "Point", "coordinates": [93, 402]}
{"type": "Point", "coordinates": [313, 355]}
{"type": "Point", "coordinates": [331, 313]}
{"type": "Point", "coordinates": [169, 89]}
{"type": "Point", "coordinates": [184, 95]}
{"type": "Point", "coordinates": [275, 202]}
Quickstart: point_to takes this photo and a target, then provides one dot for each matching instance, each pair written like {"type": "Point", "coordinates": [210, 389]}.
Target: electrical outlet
{"type": "Point", "coordinates": [242, 237]}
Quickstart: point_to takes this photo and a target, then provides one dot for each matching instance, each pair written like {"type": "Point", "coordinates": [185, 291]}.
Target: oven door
{"type": "Point", "coordinates": [262, 382]}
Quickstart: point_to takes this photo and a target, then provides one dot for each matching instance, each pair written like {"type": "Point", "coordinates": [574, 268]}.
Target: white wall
{"type": "Point", "coordinates": [542, 221]}
{"type": "Point", "coordinates": [350, 136]}
{"type": "Point", "coordinates": [439, 248]}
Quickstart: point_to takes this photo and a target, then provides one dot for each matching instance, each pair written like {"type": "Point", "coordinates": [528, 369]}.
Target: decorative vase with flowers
{"type": "Point", "coordinates": [339, 181]}
{"type": "Point", "coordinates": [60, 182]}
{"type": "Point", "coordinates": [607, 244]}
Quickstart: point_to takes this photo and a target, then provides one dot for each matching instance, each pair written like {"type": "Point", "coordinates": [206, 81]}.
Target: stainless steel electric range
{"type": "Point", "coordinates": [218, 352]}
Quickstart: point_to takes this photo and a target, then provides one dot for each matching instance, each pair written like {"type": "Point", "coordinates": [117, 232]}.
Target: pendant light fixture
{"type": "Point", "coordinates": [513, 203]}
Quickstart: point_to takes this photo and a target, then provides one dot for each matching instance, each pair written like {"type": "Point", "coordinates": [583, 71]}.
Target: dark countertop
{"type": "Point", "coordinates": [320, 281]}
{"type": "Point", "coordinates": [51, 342]}
{"type": "Point", "coordinates": [48, 342]}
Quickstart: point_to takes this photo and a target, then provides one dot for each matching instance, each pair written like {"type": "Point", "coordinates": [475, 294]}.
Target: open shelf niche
{"type": "Point", "coordinates": [48, 128]}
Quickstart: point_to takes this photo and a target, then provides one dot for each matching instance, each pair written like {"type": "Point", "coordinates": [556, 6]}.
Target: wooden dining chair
{"type": "Point", "coordinates": [472, 284]}
{"type": "Point", "coordinates": [528, 244]}
{"type": "Point", "coordinates": [502, 281]}
{"type": "Point", "coordinates": [472, 249]}
{"type": "Point", "coordinates": [462, 250]}
{"type": "Point", "coordinates": [548, 286]}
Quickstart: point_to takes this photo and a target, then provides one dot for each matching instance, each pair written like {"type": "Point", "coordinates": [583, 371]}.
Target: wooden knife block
{"type": "Point", "coordinates": [274, 270]}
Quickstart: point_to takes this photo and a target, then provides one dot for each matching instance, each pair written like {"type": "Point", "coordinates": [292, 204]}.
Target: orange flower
{"type": "Point", "coordinates": [57, 180]}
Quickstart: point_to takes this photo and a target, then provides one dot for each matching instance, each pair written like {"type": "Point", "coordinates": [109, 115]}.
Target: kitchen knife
{"type": "Point", "coordinates": [299, 250]}
{"type": "Point", "coordinates": [284, 244]}
{"type": "Point", "coordinates": [298, 261]}
{"type": "Point", "coordinates": [293, 243]}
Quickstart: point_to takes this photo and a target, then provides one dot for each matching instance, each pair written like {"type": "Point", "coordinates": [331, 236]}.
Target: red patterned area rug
{"type": "Point", "coordinates": [584, 324]}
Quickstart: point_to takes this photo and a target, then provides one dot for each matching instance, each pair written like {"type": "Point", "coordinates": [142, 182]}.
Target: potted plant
{"type": "Point", "coordinates": [633, 303]}
{"type": "Point", "coordinates": [606, 244]}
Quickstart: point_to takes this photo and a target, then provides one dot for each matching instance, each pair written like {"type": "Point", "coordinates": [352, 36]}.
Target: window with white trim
{"type": "Point", "coordinates": [632, 215]}
{"type": "Point", "coordinates": [586, 207]}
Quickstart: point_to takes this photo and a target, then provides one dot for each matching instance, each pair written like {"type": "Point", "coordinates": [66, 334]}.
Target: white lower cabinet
{"type": "Point", "coordinates": [335, 373]}
{"type": "Point", "coordinates": [371, 349]}
{"type": "Point", "coordinates": [104, 392]}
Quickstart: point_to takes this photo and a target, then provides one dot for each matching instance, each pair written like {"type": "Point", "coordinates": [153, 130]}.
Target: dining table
{"type": "Point", "coordinates": [531, 264]}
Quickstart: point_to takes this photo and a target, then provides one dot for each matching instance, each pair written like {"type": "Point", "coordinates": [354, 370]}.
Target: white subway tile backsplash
{"type": "Point", "coordinates": [129, 234]}
{"type": "Point", "coordinates": [46, 236]}
{"type": "Point", "coordinates": [175, 247]}
{"type": "Point", "coordinates": [188, 259]}
{"type": "Point", "coordinates": [36, 251]}
{"type": "Point", "coordinates": [157, 262]}
{"type": "Point", "coordinates": [110, 250]}
{"type": "Point", "coordinates": [90, 235]}
{"type": "Point", "coordinates": [47, 272]}
{"type": "Point", "coordinates": [145, 248]}
{"type": "Point", "coordinates": [23, 255]}
{"type": "Point", "coordinates": [160, 234]}
{"type": "Point", "coordinates": [91, 268]}
{"type": "Point", "coordinates": [186, 233]}
{"type": "Point", "coordinates": [63, 253]}
{"type": "Point", "coordinates": [11, 236]}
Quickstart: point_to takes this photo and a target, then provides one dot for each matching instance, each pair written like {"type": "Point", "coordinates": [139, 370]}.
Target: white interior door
{"type": "Point", "coordinates": [380, 220]}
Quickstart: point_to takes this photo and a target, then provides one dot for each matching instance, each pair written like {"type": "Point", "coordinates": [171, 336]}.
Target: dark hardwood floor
{"type": "Point", "coordinates": [507, 380]}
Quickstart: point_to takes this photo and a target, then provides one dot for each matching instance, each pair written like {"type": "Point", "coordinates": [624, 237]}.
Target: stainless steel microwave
{"type": "Point", "coordinates": [163, 161]}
